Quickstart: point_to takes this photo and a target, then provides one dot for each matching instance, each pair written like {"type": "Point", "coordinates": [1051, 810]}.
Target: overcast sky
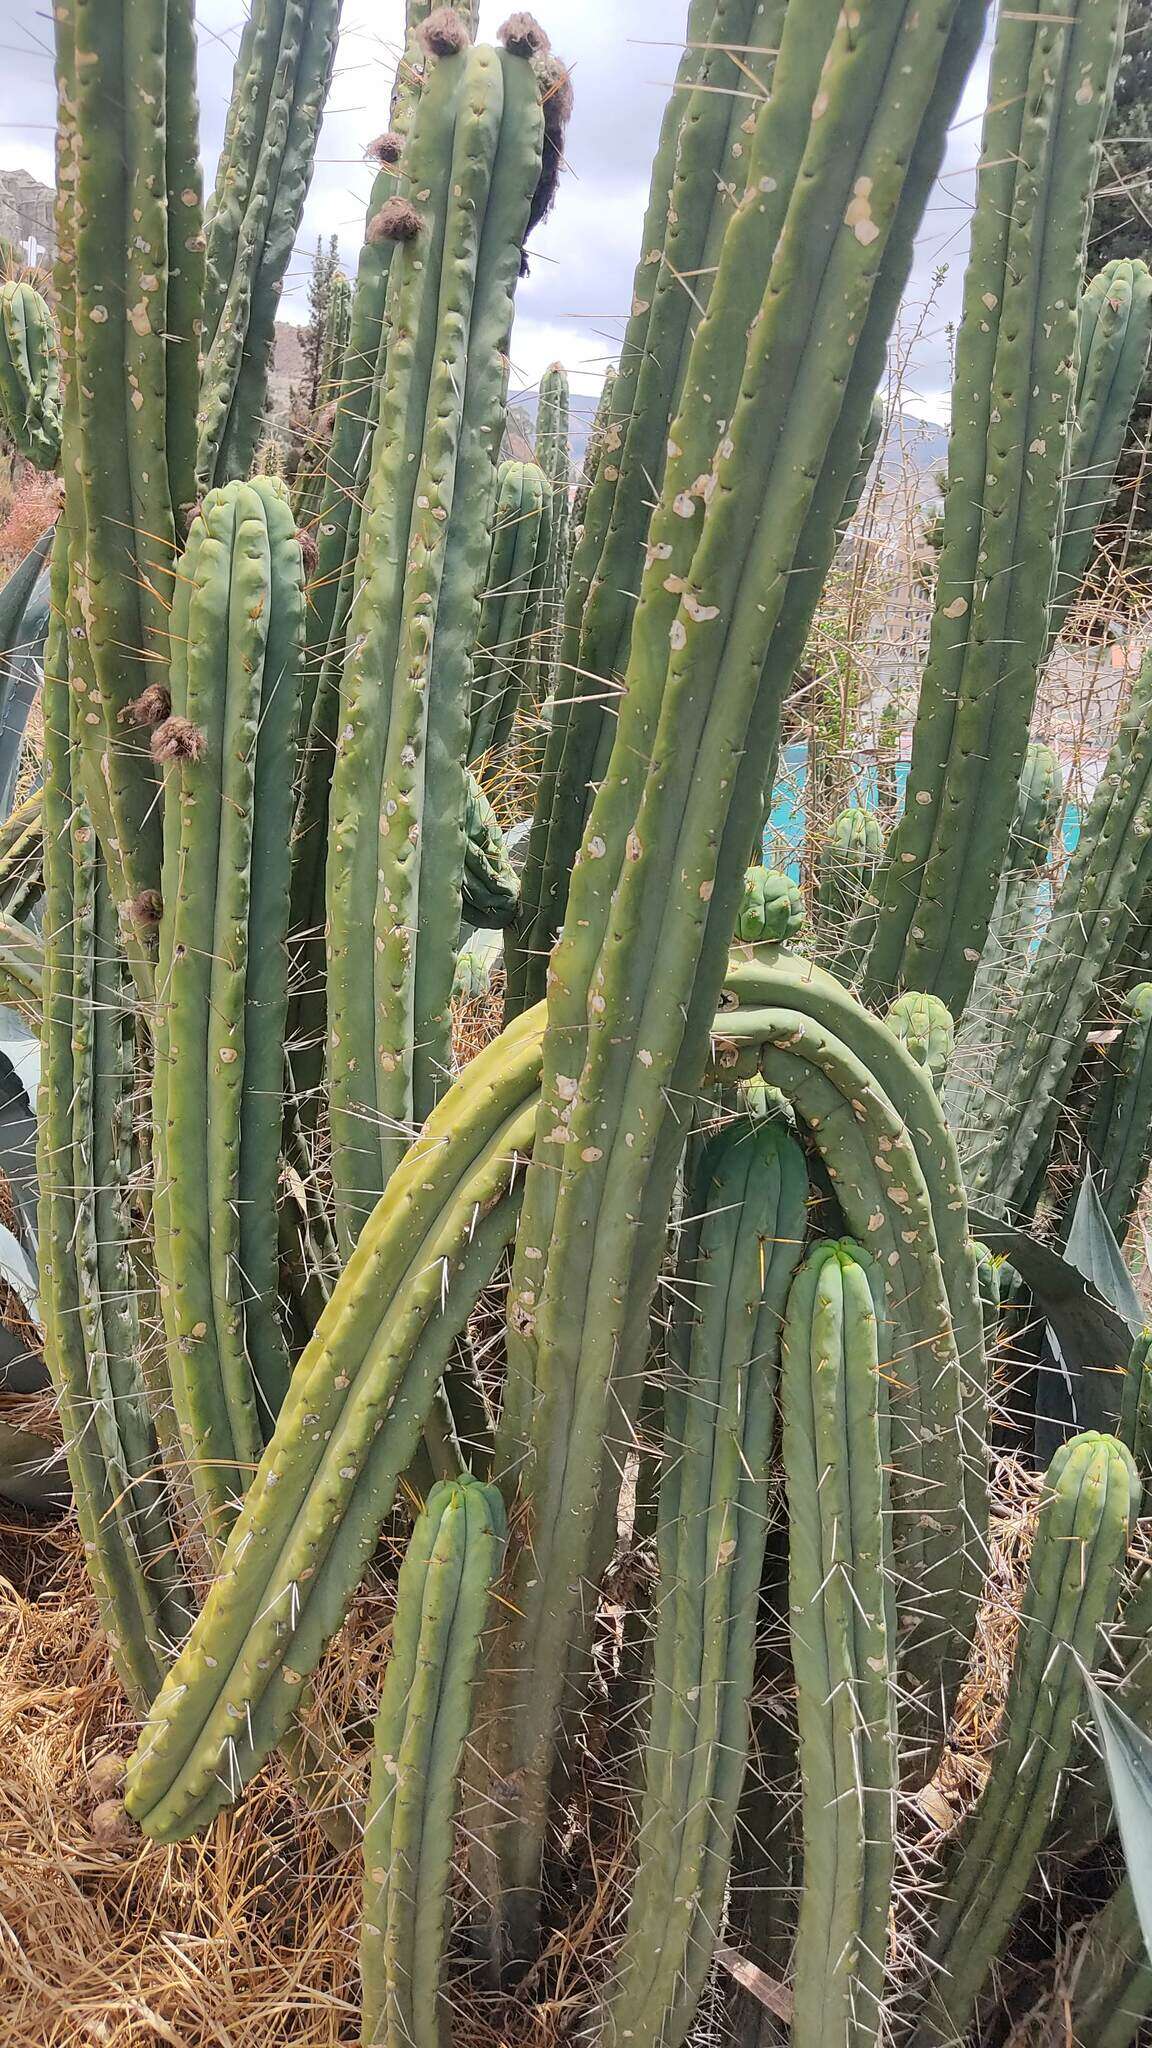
{"type": "Point", "coordinates": [573, 305]}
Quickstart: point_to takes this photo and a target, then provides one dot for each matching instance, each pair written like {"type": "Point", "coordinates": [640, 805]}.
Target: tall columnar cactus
{"type": "Point", "coordinates": [312, 478]}
{"type": "Point", "coordinates": [1114, 332]}
{"type": "Point", "coordinates": [1093, 1495]}
{"type": "Point", "coordinates": [279, 87]}
{"type": "Point", "coordinates": [396, 849]}
{"type": "Point", "coordinates": [1012, 933]}
{"type": "Point", "coordinates": [228, 750]}
{"type": "Point", "coordinates": [89, 1304]}
{"type": "Point", "coordinates": [29, 375]}
{"type": "Point", "coordinates": [1118, 1135]}
{"type": "Point", "coordinates": [554, 455]}
{"type": "Point", "coordinates": [925, 1029]}
{"type": "Point", "coordinates": [1052, 69]}
{"type": "Point", "coordinates": [129, 280]}
{"type": "Point", "coordinates": [450, 1565]}
{"type": "Point", "coordinates": [699, 174]}
{"type": "Point", "coordinates": [846, 863]}
{"type": "Point", "coordinates": [512, 613]}
{"type": "Point", "coordinates": [742, 1245]}
{"type": "Point", "coordinates": [593, 452]}
{"type": "Point", "coordinates": [842, 1620]}
{"type": "Point", "coordinates": [636, 976]}
{"type": "Point", "coordinates": [1010, 1135]}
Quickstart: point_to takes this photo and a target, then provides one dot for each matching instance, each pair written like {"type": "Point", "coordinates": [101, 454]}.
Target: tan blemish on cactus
{"type": "Point", "coordinates": [956, 609]}
{"type": "Point", "coordinates": [177, 740]}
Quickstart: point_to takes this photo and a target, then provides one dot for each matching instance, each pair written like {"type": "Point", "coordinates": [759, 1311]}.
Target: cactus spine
{"type": "Point", "coordinates": [29, 375]}
{"type": "Point", "coordinates": [396, 851]}
{"type": "Point", "coordinates": [847, 862]}
{"type": "Point", "coordinates": [748, 1205]}
{"type": "Point", "coordinates": [229, 751]}
{"type": "Point", "coordinates": [842, 1624]}
{"type": "Point", "coordinates": [1078, 1550]}
{"type": "Point", "coordinates": [1051, 79]}
{"type": "Point", "coordinates": [511, 616]}
{"type": "Point", "coordinates": [452, 1561]}
{"type": "Point", "coordinates": [637, 974]}
{"type": "Point", "coordinates": [279, 87]}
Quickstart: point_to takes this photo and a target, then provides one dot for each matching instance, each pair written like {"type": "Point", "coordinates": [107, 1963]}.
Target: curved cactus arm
{"type": "Point", "coordinates": [511, 613]}
{"type": "Point", "coordinates": [396, 846]}
{"type": "Point", "coordinates": [637, 973]}
{"type": "Point", "coordinates": [1010, 1132]}
{"type": "Point", "coordinates": [229, 749]}
{"type": "Point", "coordinates": [696, 182]}
{"type": "Point", "coordinates": [91, 1343]}
{"type": "Point", "coordinates": [279, 87]}
{"type": "Point", "coordinates": [347, 1432]}
{"type": "Point", "coordinates": [326, 1479]}
{"type": "Point", "coordinates": [128, 293]}
{"type": "Point", "coordinates": [843, 1631]}
{"type": "Point", "coordinates": [1114, 332]}
{"type": "Point", "coordinates": [748, 1198]}
{"type": "Point", "coordinates": [1078, 1550]}
{"type": "Point", "coordinates": [1049, 92]}
{"type": "Point", "coordinates": [29, 374]}
{"type": "Point", "coordinates": [450, 1566]}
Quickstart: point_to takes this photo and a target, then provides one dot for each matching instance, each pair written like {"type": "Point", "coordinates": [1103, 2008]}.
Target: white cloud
{"type": "Point", "coordinates": [574, 303]}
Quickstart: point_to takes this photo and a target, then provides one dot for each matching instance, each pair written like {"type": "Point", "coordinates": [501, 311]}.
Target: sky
{"type": "Point", "coordinates": [573, 306]}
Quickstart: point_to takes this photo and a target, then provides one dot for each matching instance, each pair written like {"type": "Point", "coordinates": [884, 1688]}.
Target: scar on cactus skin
{"type": "Point", "coordinates": [147, 908]}
{"type": "Point", "coordinates": [151, 707]}
{"type": "Point", "coordinates": [386, 149]}
{"type": "Point", "coordinates": [177, 740]}
{"type": "Point", "coordinates": [444, 34]}
{"type": "Point", "coordinates": [397, 221]}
